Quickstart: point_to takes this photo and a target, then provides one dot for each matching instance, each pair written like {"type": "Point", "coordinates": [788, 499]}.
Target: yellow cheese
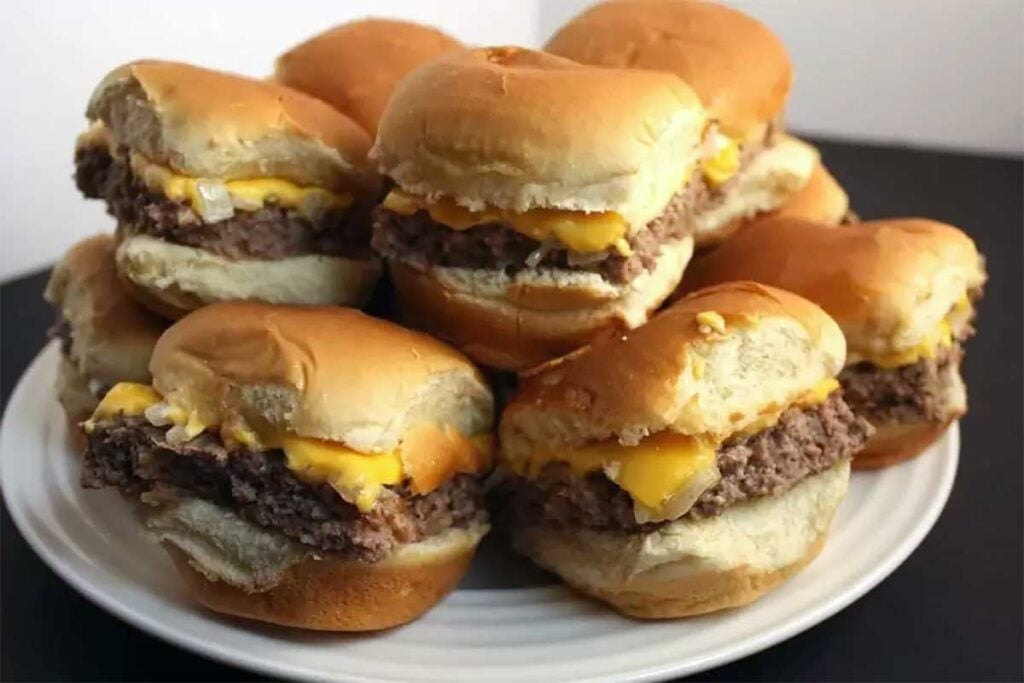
{"type": "Point", "coordinates": [660, 466]}
{"type": "Point", "coordinates": [577, 230]}
{"type": "Point", "coordinates": [650, 472]}
{"type": "Point", "coordinates": [126, 398]}
{"type": "Point", "coordinates": [724, 162]}
{"type": "Point", "coordinates": [358, 477]}
{"type": "Point", "coordinates": [941, 337]}
{"type": "Point", "coordinates": [255, 192]}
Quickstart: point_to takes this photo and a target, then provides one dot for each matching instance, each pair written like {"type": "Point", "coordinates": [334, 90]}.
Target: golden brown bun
{"type": "Point", "coordinates": [173, 279]}
{"type": "Point", "coordinates": [112, 335]}
{"type": "Point", "coordinates": [695, 566]}
{"type": "Point", "coordinates": [332, 594]}
{"type": "Point", "coordinates": [208, 123]}
{"type": "Point", "coordinates": [821, 200]}
{"type": "Point", "coordinates": [515, 323]}
{"type": "Point", "coordinates": [887, 283]}
{"type": "Point", "coordinates": [738, 67]}
{"type": "Point", "coordinates": [355, 66]}
{"type": "Point", "coordinates": [895, 443]}
{"type": "Point", "coordinates": [319, 372]}
{"type": "Point", "coordinates": [520, 129]}
{"type": "Point", "coordinates": [679, 373]}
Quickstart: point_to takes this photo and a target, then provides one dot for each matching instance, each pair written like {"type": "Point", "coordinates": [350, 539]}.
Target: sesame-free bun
{"type": "Point", "coordinates": [695, 566]}
{"type": "Point", "coordinates": [520, 129]}
{"type": "Point", "coordinates": [770, 180]}
{"type": "Point", "coordinates": [320, 372]}
{"type": "Point", "coordinates": [514, 322]}
{"type": "Point", "coordinates": [112, 335]}
{"type": "Point", "coordinates": [711, 364]}
{"type": "Point", "coordinates": [738, 67]}
{"type": "Point", "coordinates": [173, 279]}
{"type": "Point", "coordinates": [821, 200]}
{"type": "Point", "coordinates": [888, 283]}
{"type": "Point", "coordinates": [213, 124]}
{"type": "Point", "coordinates": [355, 66]}
{"type": "Point", "coordinates": [336, 594]}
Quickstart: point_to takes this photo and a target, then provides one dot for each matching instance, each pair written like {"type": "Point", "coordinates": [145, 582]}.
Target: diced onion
{"type": "Point", "coordinates": [214, 201]}
{"type": "Point", "coordinates": [159, 415]}
{"type": "Point", "coordinates": [679, 504]}
{"type": "Point", "coordinates": [577, 258]}
{"type": "Point", "coordinates": [538, 254]}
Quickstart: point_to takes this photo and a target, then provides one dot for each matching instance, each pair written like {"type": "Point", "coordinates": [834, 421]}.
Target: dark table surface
{"type": "Point", "coordinates": [952, 611]}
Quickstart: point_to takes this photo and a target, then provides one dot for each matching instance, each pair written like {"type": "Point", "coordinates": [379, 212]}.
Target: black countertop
{"type": "Point", "coordinates": [952, 611]}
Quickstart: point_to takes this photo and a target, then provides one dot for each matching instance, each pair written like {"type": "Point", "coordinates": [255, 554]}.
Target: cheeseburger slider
{"type": "Point", "coordinates": [355, 66]}
{"type": "Point", "coordinates": [689, 465]}
{"type": "Point", "coordinates": [105, 336]}
{"type": "Point", "coordinates": [228, 188]}
{"type": "Point", "coordinates": [821, 200]}
{"type": "Point", "coordinates": [536, 201]}
{"type": "Point", "coordinates": [311, 467]}
{"type": "Point", "coordinates": [903, 292]}
{"type": "Point", "coordinates": [741, 72]}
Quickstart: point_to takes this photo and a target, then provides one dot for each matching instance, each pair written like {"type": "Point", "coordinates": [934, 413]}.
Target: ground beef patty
{"type": "Point", "coordinates": [803, 442]}
{"type": "Point", "coordinates": [909, 393]}
{"type": "Point", "coordinates": [135, 456]}
{"type": "Point", "coordinates": [271, 232]}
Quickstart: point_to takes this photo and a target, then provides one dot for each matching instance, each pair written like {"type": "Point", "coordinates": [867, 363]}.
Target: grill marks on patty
{"type": "Point", "coordinates": [909, 393]}
{"type": "Point", "coordinates": [804, 442]}
{"type": "Point", "coordinates": [272, 232]}
{"type": "Point", "coordinates": [133, 455]}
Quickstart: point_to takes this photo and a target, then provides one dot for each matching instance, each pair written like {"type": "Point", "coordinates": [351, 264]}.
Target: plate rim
{"type": "Point", "coordinates": [819, 612]}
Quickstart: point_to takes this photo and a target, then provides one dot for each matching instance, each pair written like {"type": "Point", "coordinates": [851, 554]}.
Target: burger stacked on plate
{"type": "Point", "coordinates": [690, 334]}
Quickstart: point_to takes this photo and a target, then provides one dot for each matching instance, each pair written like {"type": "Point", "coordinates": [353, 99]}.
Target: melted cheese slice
{"type": "Point", "coordinates": [249, 194]}
{"type": "Point", "coordinates": [657, 469]}
{"type": "Point", "coordinates": [577, 230]}
{"type": "Point", "coordinates": [358, 477]}
{"type": "Point", "coordinates": [723, 162]}
{"type": "Point", "coordinates": [939, 338]}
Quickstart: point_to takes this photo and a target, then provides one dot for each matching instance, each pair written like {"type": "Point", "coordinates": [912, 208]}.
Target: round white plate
{"type": "Point", "coordinates": [507, 621]}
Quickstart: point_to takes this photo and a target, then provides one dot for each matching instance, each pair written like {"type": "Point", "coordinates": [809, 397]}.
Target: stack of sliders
{"type": "Point", "coordinates": [903, 291]}
{"type": "Point", "coordinates": [355, 66]}
{"type": "Point", "coordinates": [225, 187]}
{"type": "Point", "coordinates": [689, 465]}
{"type": "Point", "coordinates": [741, 72]}
{"type": "Point", "coordinates": [305, 466]}
{"type": "Point", "coordinates": [538, 201]}
{"type": "Point", "coordinates": [106, 337]}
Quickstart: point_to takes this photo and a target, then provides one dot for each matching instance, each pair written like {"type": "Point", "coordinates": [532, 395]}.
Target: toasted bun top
{"type": "Point", "coordinates": [521, 129]}
{"type": "Point", "coordinates": [319, 372]}
{"type": "Point", "coordinates": [214, 124]}
{"type": "Point", "coordinates": [112, 335]}
{"type": "Point", "coordinates": [711, 364]}
{"type": "Point", "coordinates": [887, 282]}
{"type": "Point", "coordinates": [821, 200]}
{"type": "Point", "coordinates": [355, 66]}
{"type": "Point", "coordinates": [736, 64]}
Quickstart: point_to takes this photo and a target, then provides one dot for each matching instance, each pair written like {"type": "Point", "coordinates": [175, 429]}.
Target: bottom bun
{"type": "Point", "coordinates": [333, 594]}
{"type": "Point", "coordinates": [695, 566]}
{"type": "Point", "coordinates": [892, 444]}
{"type": "Point", "coordinates": [517, 322]}
{"type": "Point", "coordinates": [172, 279]}
{"type": "Point", "coordinates": [77, 401]}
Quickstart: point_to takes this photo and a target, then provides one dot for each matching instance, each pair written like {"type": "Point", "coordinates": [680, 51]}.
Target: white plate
{"type": "Point", "coordinates": [507, 621]}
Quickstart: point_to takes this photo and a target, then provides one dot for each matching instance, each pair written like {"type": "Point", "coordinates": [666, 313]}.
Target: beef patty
{"type": "Point", "coordinates": [909, 393]}
{"type": "Point", "coordinates": [420, 241]}
{"type": "Point", "coordinates": [272, 232]}
{"type": "Point", "coordinates": [805, 441]}
{"type": "Point", "coordinates": [131, 454]}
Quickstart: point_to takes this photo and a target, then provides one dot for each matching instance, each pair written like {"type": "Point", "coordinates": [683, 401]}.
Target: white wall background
{"type": "Point", "coordinates": [928, 72]}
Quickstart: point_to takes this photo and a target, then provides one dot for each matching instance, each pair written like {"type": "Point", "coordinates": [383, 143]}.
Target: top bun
{"type": "Point", "coordinates": [887, 282]}
{"type": "Point", "coordinates": [213, 124]}
{"type": "Point", "coordinates": [737, 65]}
{"type": "Point", "coordinates": [520, 129]}
{"type": "Point", "coordinates": [711, 364]}
{"type": "Point", "coordinates": [355, 66]}
{"type": "Point", "coordinates": [112, 335]}
{"type": "Point", "coordinates": [821, 200]}
{"type": "Point", "coordinates": [319, 372]}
